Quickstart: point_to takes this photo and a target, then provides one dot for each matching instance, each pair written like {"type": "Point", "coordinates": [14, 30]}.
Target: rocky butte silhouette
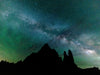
{"type": "Point", "coordinates": [46, 62]}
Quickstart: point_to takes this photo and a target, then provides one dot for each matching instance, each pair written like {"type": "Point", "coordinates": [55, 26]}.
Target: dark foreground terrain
{"type": "Point", "coordinates": [46, 62]}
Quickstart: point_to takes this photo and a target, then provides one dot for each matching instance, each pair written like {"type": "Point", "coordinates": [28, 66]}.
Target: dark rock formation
{"type": "Point", "coordinates": [46, 62]}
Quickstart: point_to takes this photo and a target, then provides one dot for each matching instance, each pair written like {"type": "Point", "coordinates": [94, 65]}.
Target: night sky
{"type": "Point", "coordinates": [26, 25]}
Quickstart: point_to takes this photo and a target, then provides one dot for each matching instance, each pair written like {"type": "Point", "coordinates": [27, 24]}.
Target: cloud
{"type": "Point", "coordinates": [90, 52]}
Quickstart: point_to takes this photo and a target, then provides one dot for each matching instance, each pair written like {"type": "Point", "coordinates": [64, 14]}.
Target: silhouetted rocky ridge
{"type": "Point", "coordinates": [46, 62]}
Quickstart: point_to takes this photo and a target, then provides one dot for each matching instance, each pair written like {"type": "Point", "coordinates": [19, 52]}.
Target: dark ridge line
{"type": "Point", "coordinates": [46, 62]}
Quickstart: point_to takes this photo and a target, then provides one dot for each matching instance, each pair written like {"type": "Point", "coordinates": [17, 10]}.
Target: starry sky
{"type": "Point", "coordinates": [26, 25]}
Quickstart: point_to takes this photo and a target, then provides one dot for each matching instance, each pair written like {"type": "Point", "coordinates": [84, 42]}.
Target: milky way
{"type": "Point", "coordinates": [26, 25]}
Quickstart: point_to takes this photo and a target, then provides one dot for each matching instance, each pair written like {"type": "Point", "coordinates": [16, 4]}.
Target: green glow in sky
{"type": "Point", "coordinates": [26, 25]}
